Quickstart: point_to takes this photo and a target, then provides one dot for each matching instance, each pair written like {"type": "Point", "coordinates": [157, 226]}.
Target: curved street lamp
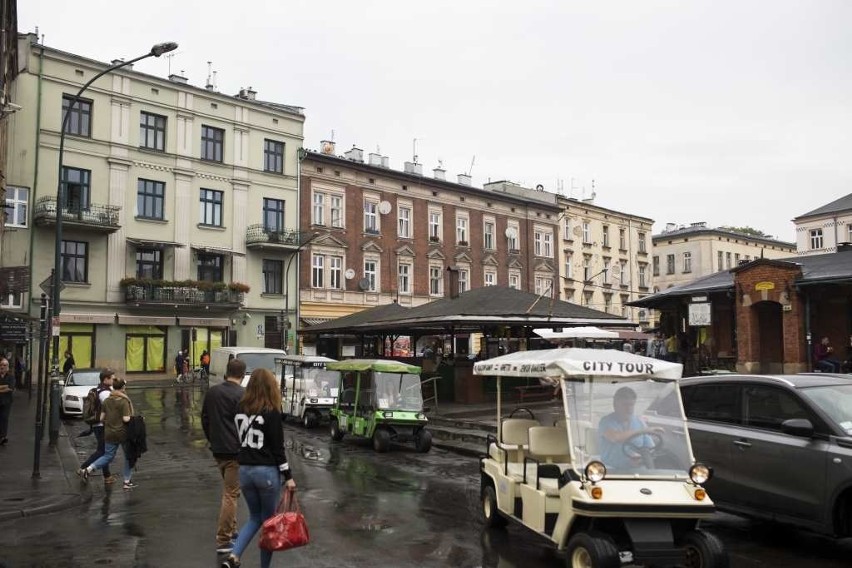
{"type": "Point", "coordinates": [156, 51]}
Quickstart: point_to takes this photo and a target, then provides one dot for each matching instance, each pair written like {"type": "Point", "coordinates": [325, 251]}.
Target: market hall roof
{"type": "Point", "coordinates": [816, 269]}
{"type": "Point", "coordinates": [490, 305]}
{"type": "Point", "coordinates": [836, 206]}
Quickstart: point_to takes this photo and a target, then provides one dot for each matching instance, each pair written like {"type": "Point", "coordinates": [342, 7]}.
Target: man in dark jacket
{"type": "Point", "coordinates": [217, 419]}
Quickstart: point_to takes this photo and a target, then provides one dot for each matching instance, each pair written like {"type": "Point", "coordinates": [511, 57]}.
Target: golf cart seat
{"type": "Point", "coordinates": [515, 444]}
{"type": "Point", "coordinates": [551, 452]}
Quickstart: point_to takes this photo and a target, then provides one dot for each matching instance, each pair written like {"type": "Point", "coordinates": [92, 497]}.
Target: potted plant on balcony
{"type": "Point", "coordinates": [237, 290]}
{"type": "Point", "coordinates": [133, 289]}
{"type": "Point", "coordinates": [434, 239]}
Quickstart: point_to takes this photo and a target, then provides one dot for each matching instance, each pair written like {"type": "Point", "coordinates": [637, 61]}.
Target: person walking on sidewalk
{"type": "Point", "coordinates": [116, 413]}
{"type": "Point", "coordinates": [7, 387]}
{"type": "Point", "coordinates": [104, 389]}
{"type": "Point", "coordinates": [263, 463]}
{"type": "Point", "coordinates": [218, 411]}
{"type": "Point", "coordinates": [69, 363]}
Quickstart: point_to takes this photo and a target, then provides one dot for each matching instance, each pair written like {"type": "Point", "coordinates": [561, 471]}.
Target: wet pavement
{"type": "Point", "coordinates": [364, 509]}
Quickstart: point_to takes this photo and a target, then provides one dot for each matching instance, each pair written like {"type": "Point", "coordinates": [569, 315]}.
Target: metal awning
{"type": "Point", "coordinates": [153, 244]}
{"type": "Point", "coordinates": [314, 321]}
{"type": "Point", "coordinates": [216, 250]}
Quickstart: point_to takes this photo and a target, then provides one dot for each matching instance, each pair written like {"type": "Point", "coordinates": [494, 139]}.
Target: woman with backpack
{"type": "Point", "coordinates": [116, 411]}
{"type": "Point", "coordinates": [263, 463]}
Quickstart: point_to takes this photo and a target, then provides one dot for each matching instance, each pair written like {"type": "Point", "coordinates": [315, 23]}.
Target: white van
{"type": "Point", "coordinates": [253, 357]}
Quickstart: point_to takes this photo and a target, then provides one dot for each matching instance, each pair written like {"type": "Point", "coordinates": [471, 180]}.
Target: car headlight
{"type": "Point", "coordinates": [700, 474]}
{"type": "Point", "coordinates": [595, 471]}
{"type": "Point", "coordinates": [71, 397]}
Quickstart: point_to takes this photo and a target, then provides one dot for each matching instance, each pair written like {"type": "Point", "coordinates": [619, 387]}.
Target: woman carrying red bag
{"type": "Point", "coordinates": [263, 463]}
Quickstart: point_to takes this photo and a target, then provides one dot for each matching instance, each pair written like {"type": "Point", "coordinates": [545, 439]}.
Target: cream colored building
{"type": "Point", "coordinates": [683, 253]}
{"type": "Point", "coordinates": [175, 197]}
{"type": "Point", "coordinates": [605, 258]}
{"type": "Point", "coordinates": [819, 231]}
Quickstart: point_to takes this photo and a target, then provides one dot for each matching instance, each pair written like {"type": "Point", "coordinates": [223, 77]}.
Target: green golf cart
{"type": "Point", "coordinates": [380, 400]}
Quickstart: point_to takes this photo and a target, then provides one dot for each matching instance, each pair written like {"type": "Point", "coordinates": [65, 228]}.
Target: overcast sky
{"type": "Point", "coordinates": [731, 112]}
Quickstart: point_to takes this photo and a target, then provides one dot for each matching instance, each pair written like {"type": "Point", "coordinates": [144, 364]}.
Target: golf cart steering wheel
{"type": "Point", "coordinates": [527, 410]}
{"type": "Point", "coordinates": [632, 450]}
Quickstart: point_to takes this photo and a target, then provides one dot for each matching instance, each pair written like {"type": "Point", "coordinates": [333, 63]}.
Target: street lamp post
{"type": "Point", "coordinates": [156, 51]}
{"type": "Point", "coordinates": [295, 254]}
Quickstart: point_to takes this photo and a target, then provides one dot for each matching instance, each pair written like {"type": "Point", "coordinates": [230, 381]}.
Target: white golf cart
{"type": "Point", "coordinates": [596, 478]}
{"type": "Point", "coordinates": [308, 391]}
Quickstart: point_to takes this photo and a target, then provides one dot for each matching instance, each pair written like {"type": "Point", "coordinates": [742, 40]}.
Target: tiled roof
{"type": "Point", "coordinates": [836, 206]}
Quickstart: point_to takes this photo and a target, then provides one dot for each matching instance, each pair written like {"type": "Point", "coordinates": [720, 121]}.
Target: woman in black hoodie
{"type": "Point", "coordinates": [263, 463]}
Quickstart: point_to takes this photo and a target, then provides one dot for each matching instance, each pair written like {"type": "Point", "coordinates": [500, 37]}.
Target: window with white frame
{"type": "Point", "coordinates": [622, 279]}
{"type": "Point", "coordinates": [327, 271]}
{"type": "Point", "coordinates": [816, 239]}
{"type": "Point", "coordinates": [327, 209]}
{"type": "Point", "coordinates": [435, 225]}
{"type": "Point", "coordinates": [318, 271]}
{"type": "Point", "coordinates": [464, 280]}
{"type": "Point", "coordinates": [335, 272]}
{"type": "Point", "coordinates": [736, 259]}
{"type": "Point", "coordinates": [371, 274]}
{"type": "Point", "coordinates": [670, 264]}
{"type": "Point", "coordinates": [608, 303]}
{"type": "Point", "coordinates": [543, 285]}
{"type": "Point", "coordinates": [719, 260]}
{"type": "Point", "coordinates": [318, 209]}
{"type": "Point", "coordinates": [515, 279]}
{"type": "Point", "coordinates": [606, 271]}
{"type": "Point", "coordinates": [488, 234]}
{"type": "Point", "coordinates": [587, 268]}
{"type": "Point", "coordinates": [12, 301]}
{"type": "Point", "coordinates": [404, 221]}
{"type": "Point", "coordinates": [17, 201]}
{"type": "Point", "coordinates": [569, 266]}
{"type": "Point", "coordinates": [566, 229]}
{"type": "Point", "coordinates": [336, 210]}
{"type": "Point", "coordinates": [727, 260]}
{"type": "Point", "coordinates": [543, 242]}
{"type": "Point", "coordinates": [606, 235]}
{"type": "Point", "coordinates": [461, 228]}
{"type": "Point", "coordinates": [404, 271]}
{"type": "Point", "coordinates": [622, 239]}
{"type": "Point", "coordinates": [490, 277]}
{"type": "Point", "coordinates": [371, 216]}
{"type": "Point", "coordinates": [642, 245]}
{"type": "Point", "coordinates": [643, 280]}
{"type": "Point", "coordinates": [587, 233]}
{"type": "Point", "coordinates": [512, 233]}
{"type": "Point", "coordinates": [436, 280]}
{"type": "Point", "coordinates": [656, 261]}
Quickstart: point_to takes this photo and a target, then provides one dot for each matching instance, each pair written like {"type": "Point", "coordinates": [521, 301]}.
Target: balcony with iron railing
{"type": "Point", "coordinates": [91, 217]}
{"type": "Point", "coordinates": [261, 237]}
{"type": "Point", "coordinates": [140, 292]}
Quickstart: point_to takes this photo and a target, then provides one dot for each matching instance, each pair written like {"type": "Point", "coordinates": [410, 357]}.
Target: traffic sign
{"type": "Point", "coordinates": [47, 286]}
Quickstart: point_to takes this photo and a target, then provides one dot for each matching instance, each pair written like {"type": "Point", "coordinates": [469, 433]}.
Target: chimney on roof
{"type": "Point", "coordinates": [327, 147]}
{"type": "Point", "coordinates": [464, 179]}
{"type": "Point", "coordinates": [356, 154]}
{"type": "Point", "coordinates": [178, 78]}
{"type": "Point", "coordinates": [414, 168]}
{"type": "Point", "coordinates": [247, 94]}
{"type": "Point", "coordinates": [385, 162]}
{"type": "Point", "coordinates": [440, 173]}
{"type": "Point", "coordinates": [670, 227]}
{"type": "Point", "coordinates": [374, 159]}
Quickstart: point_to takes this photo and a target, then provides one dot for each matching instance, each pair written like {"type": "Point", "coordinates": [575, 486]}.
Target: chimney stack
{"type": "Point", "coordinates": [414, 168]}
{"type": "Point", "coordinates": [374, 159]}
{"type": "Point", "coordinates": [327, 147]}
{"type": "Point", "coordinates": [440, 173]}
{"type": "Point", "coordinates": [175, 78]}
{"type": "Point", "coordinates": [356, 154]}
{"type": "Point", "coordinates": [464, 179]}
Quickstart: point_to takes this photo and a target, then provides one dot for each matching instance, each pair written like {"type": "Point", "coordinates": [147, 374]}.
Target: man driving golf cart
{"type": "Point", "coordinates": [624, 438]}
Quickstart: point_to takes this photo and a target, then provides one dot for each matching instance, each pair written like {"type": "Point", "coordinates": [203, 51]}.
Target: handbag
{"type": "Point", "coordinates": [286, 528]}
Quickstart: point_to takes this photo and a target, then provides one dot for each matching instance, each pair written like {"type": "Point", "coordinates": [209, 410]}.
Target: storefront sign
{"type": "Point", "coordinates": [760, 286]}
{"type": "Point", "coordinates": [204, 322]}
{"type": "Point", "coordinates": [145, 320]}
{"type": "Point", "coordinates": [700, 314]}
{"type": "Point", "coordinates": [66, 317]}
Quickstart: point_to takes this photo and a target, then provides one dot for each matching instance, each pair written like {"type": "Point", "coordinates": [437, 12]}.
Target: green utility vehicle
{"type": "Point", "coordinates": [380, 400]}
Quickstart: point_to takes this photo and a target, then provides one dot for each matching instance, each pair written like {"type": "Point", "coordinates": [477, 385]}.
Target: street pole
{"type": "Point", "coordinates": [38, 422]}
{"type": "Point", "coordinates": [286, 323]}
{"type": "Point", "coordinates": [156, 51]}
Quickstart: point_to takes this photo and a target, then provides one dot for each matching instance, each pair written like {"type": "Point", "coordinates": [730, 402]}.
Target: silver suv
{"type": "Point", "coordinates": [780, 446]}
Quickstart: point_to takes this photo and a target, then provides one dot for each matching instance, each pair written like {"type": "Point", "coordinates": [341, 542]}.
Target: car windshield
{"type": "Point", "coordinates": [319, 382]}
{"type": "Point", "coordinates": [397, 391]}
{"type": "Point", "coordinates": [636, 428]}
{"type": "Point", "coordinates": [259, 361]}
{"type": "Point", "coordinates": [834, 400]}
{"type": "Point", "coordinates": [84, 379]}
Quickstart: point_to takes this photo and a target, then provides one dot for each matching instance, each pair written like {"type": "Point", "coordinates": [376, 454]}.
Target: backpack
{"type": "Point", "coordinates": [92, 406]}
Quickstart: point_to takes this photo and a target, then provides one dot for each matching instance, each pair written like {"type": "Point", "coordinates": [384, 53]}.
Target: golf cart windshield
{"type": "Point", "coordinates": [397, 391]}
{"type": "Point", "coordinates": [259, 361]}
{"type": "Point", "coordinates": [319, 382]}
{"type": "Point", "coordinates": [635, 427]}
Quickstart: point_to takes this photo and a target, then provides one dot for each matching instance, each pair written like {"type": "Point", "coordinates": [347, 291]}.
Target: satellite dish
{"type": "Point", "coordinates": [364, 284]}
{"type": "Point", "coordinates": [349, 274]}
{"type": "Point", "coordinates": [511, 233]}
{"type": "Point", "coordinates": [384, 207]}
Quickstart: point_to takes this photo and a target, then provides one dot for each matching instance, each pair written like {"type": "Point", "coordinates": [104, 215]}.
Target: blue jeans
{"type": "Point", "coordinates": [99, 436]}
{"type": "Point", "coordinates": [261, 487]}
{"type": "Point", "coordinates": [110, 450]}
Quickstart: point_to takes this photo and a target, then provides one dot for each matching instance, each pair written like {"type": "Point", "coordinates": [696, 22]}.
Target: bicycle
{"type": "Point", "coordinates": [199, 375]}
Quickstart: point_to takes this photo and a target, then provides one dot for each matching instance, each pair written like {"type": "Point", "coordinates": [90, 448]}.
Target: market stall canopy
{"type": "Point", "coordinates": [380, 365]}
{"type": "Point", "coordinates": [589, 332]}
{"type": "Point", "coordinates": [552, 364]}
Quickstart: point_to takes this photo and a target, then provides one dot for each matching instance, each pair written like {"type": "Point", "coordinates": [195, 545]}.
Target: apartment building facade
{"type": "Point", "coordinates": [605, 257]}
{"type": "Point", "coordinates": [383, 235]}
{"type": "Point", "coordinates": [179, 210]}
{"type": "Point", "coordinates": [821, 230]}
{"type": "Point", "coordinates": [683, 253]}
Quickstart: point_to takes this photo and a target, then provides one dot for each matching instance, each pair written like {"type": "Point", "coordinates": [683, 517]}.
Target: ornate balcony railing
{"type": "Point", "coordinates": [259, 236]}
{"type": "Point", "coordinates": [149, 294]}
{"type": "Point", "coordinates": [102, 218]}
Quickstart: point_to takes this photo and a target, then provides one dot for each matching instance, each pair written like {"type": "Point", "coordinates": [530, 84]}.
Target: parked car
{"type": "Point", "coordinates": [77, 384]}
{"type": "Point", "coordinates": [781, 446]}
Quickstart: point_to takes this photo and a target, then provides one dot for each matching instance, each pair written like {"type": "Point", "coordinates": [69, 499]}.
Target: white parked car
{"type": "Point", "coordinates": [77, 385]}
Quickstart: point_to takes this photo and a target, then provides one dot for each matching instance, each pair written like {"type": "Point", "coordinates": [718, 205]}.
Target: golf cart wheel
{"type": "Point", "coordinates": [490, 512]}
{"type": "Point", "coordinates": [381, 440]}
{"type": "Point", "coordinates": [703, 550]}
{"type": "Point", "coordinates": [336, 432]}
{"type": "Point", "coordinates": [423, 441]}
{"type": "Point", "coordinates": [308, 420]}
{"type": "Point", "coordinates": [591, 550]}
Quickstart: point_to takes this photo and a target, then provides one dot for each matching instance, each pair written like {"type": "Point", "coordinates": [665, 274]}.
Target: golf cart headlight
{"type": "Point", "coordinates": [387, 414]}
{"type": "Point", "coordinates": [421, 416]}
{"type": "Point", "coordinates": [595, 471]}
{"type": "Point", "coordinates": [699, 474]}
{"type": "Point", "coordinates": [313, 401]}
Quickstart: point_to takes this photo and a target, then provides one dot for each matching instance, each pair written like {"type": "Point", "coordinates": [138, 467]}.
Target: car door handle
{"type": "Point", "coordinates": [742, 443]}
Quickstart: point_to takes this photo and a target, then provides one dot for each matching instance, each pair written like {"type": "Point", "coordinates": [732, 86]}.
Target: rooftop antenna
{"type": "Point", "coordinates": [332, 135]}
{"type": "Point", "coordinates": [414, 150]}
{"type": "Point", "coordinates": [214, 81]}
{"type": "Point", "coordinates": [470, 170]}
{"type": "Point", "coordinates": [169, 57]}
{"type": "Point", "coordinates": [594, 194]}
{"type": "Point", "coordinates": [209, 85]}
{"type": "Point", "coordinates": [572, 188]}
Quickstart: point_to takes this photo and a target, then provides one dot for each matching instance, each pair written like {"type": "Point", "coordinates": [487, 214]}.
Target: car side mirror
{"type": "Point", "coordinates": [798, 427]}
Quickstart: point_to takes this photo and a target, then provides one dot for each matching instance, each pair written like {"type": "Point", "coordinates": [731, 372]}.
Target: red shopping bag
{"type": "Point", "coordinates": [287, 528]}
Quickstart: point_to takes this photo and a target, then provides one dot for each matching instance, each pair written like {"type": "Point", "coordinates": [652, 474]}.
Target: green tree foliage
{"type": "Point", "coordinates": [750, 231]}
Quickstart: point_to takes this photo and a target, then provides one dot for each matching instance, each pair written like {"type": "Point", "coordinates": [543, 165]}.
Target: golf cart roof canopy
{"type": "Point", "coordinates": [554, 364]}
{"type": "Point", "coordinates": [380, 365]}
{"type": "Point", "coordinates": [589, 332]}
{"type": "Point", "coordinates": [304, 360]}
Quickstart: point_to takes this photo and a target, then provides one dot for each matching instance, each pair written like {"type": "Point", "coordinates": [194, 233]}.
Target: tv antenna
{"type": "Point", "coordinates": [472, 161]}
{"type": "Point", "coordinates": [169, 57]}
{"type": "Point", "coordinates": [414, 150]}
